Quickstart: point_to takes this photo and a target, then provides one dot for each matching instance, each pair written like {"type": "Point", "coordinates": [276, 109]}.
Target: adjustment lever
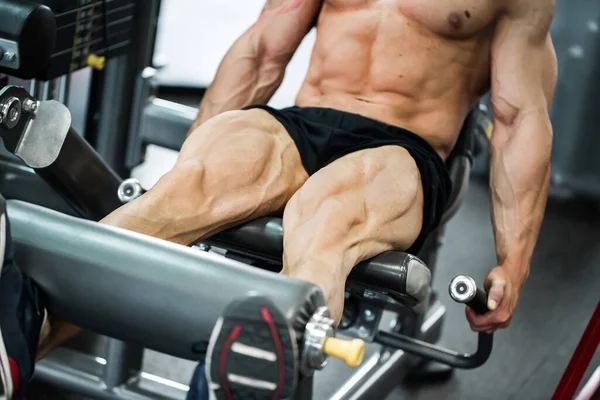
{"type": "Point", "coordinates": [463, 290]}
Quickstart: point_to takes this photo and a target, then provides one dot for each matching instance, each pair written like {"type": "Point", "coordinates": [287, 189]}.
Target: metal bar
{"type": "Point", "coordinates": [18, 182]}
{"type": "Point", "coordinates": [124, 361]}
{"type": "Point", "coordinates": [33, 88]}
{"type": "Point", "coordinates": [137, 288]}
{"type": "Point", "coordinates": [78, 372]}
{"type": "Point", "coordinates": [143, 90]}
{"type": "Point", "coordinates": [63, 85]}
{"type": "Point", "coordinates": [304, 388]}
{"type": "Point", "coordinates": [166, 123]}
{"type": "Point", "coordinates": [46, 91]}
{"type": "Point", "coordinates": [83, 178]}
{"type": "Point", "coordinates": [144, 387]}
{"type": "Point", "coordinates": [113, 117]}
{"type": "Point", "coordinates": [65, 377]}
{"type": "Point", "coordinates": [440, 354]}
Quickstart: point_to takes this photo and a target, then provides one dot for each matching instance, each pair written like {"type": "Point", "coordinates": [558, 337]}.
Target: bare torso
{"type": "Point", "coordinates": [417, 64]}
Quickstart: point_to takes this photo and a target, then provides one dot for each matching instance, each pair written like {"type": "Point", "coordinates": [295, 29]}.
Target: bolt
{"type": "Point", "coordinates": [363, 332]}
{"type": "Point", "coordinates": [30, 105]}
{"type": "Point", "coordinates": [13, 115]}
{"type": "Point", "coordinates": [9, 56]}
{"type": "Point", "coordinates": [369, 315]}
{"type": "Point", "coordinates": [203, 247]}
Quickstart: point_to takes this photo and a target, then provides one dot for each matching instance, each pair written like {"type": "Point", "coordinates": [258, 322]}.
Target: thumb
{"type": "Point", "coordinates": [496, 291]}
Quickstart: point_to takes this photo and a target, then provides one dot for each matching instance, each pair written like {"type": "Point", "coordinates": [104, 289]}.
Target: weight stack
{"type": "Point", "coordinates": [84, 33]}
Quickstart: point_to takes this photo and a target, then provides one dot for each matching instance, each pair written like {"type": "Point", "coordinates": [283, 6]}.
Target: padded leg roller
{"type": "Point", "coordinates": [252, 352]}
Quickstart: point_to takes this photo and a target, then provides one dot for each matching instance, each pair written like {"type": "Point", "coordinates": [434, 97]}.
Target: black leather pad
{"type": "Point", "coordinates": [401, 276]}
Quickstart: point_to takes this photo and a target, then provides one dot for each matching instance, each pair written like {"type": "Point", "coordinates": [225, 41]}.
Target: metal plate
{"type": "Point", "coordinates": [45, 134]}
{"type": "Point", "coordinates": [9, 46]}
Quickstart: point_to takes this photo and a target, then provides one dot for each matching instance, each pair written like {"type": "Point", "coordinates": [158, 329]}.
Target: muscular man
{"type": "Point", "coordinates": [357, 166]}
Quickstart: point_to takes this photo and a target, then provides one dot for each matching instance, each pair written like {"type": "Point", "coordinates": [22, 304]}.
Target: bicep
{"type": "Point", "coordinates": [523, 80]}
{"type": "Point", "coordinates": [524, 67]}
{"type": "Point", "coordinates": [282, 25]}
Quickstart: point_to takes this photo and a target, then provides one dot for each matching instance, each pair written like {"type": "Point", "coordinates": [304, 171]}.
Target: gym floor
{"type": "Point", "coordinates": [529, 357]}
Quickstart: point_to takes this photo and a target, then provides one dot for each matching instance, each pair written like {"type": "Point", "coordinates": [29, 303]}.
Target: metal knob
{"type": "Point", "coordinates": [463, 289]}
{"type": "Point", "coordinates": [10, 112]}
{"type": "Point", "coordinates": [130, 190]}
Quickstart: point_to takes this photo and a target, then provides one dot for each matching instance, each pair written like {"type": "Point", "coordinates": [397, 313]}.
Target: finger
{"type": "Point", "coordinates": [484, 328]}
{"type": "Point", "coordinates": [477, 322]}
{"type": "Point", "coordinates": [496, 293]}
{"type": "Point", "coordinates": [491, 328]}
{"type": "Point", "coordinates": [479, 319]}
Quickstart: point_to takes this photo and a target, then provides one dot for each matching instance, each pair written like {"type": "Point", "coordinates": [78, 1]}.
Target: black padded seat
{"type": "Point", "coordinates": [401, 276]}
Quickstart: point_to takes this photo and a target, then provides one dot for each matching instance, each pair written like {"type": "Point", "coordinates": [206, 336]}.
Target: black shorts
{"type": "Point", "coordinates": [323, 135]}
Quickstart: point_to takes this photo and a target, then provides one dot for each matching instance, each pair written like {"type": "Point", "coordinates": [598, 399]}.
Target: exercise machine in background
{"type": "Point", "coordinates": [124, 285]}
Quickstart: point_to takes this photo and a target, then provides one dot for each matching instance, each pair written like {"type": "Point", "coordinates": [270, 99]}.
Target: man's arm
{"type": "Point", "coordinates": [524, 73]}
{"type": "Point", "coordinates": [254, 66]}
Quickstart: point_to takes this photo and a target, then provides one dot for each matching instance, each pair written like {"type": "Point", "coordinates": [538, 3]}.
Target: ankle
{"type": "Point", "coordinates": [58, 333]}
{"type": "Point", "coordinates": [332, 286]}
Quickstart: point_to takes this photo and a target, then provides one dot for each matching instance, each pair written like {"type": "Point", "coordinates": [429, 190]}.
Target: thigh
{"type": "Point", "coordinates": [234, 168]}
{"type": "Point", "coordinates": [359, 206]}
{"type": "Point", "coordinates": [238, 148]}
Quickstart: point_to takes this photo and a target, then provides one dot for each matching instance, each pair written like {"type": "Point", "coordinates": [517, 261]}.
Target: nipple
{"type": "Point", "coordinates": [455, 21]}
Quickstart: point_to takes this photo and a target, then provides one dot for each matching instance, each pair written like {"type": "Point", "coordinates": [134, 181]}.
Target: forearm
{"type": "Point", "coordinates": [520, 179]}
{"type": "Point", "coordinates": [244, 77]}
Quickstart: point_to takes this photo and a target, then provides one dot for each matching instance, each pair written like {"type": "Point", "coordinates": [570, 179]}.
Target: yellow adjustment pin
{"type": "Point", "coordinates": [349, 351]}
{"type": "Point", "coordinates": [95, 62]}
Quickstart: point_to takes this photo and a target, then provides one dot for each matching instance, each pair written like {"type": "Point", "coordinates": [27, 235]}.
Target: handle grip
{"type": "Point", "coordinates": [463, 289]}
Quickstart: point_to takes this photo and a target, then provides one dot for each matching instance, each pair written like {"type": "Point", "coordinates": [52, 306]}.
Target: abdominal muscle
{"type": "Point", "coordinates": [375, 62]}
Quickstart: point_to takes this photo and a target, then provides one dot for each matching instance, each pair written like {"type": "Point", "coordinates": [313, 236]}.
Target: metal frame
{"type": "Point", "coordinates": [114, 91]}
{"type": "Point", "coordinates": [88, 375]}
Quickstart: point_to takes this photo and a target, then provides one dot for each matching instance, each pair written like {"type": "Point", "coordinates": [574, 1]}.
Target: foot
{"type": "Point", "coordinates": [21, 318]}
{"type": "Point", "coordinates": [252, 353]}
